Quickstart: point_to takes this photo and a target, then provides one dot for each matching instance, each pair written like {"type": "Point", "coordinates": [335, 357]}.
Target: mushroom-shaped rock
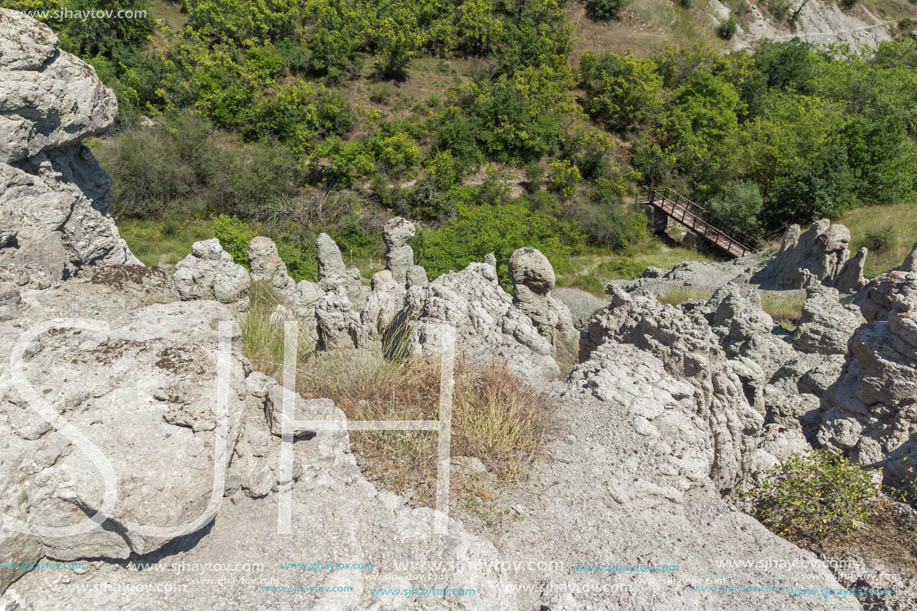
{"type": "Point", "coordinates": [209, 272]}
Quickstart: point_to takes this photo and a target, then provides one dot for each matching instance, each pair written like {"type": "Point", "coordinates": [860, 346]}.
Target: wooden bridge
{"type": "Point", "coordinates": [690, 215]}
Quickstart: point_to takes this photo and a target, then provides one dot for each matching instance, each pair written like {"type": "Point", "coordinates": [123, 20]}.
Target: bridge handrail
{"type": "Point", "coordinates": [678, 201]}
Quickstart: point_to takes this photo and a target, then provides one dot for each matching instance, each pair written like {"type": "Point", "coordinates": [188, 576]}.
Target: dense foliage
{"type": "Point", "coordinates": [259, 116]}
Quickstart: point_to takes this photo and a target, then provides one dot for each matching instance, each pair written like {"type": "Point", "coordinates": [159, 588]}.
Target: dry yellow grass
{"type": "Point", "coordinates": [495, 416]}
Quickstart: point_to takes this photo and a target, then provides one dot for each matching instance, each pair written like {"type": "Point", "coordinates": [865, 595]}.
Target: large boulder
{"type": "Point", "coordinates": [816, 256]}
{"type": "Point", "coordinates": [825, 325]}
{"type": "Point", "coordinates": [488, 327]}
{"type": "Point", "coordinates": [144, 394]}
{"type": "Point", "coordinates": [49, 99]}
{"type": "Point", "coordinates": [210, 272]}
{"type": "Point", "coordinates": [871, 411]}
{"type": "Point", "coordinates": [55, 201]}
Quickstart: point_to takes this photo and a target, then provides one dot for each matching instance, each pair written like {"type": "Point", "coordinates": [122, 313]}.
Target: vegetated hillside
{"type": "Point", "coordinates": [488, 121]}
{"type": "Point", "coordinates": [646, 26]}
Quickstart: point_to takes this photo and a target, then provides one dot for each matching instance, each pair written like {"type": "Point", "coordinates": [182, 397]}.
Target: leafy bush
{"type": "Point", "coordinates": [234, 236]}
{"type": "Point", "coordinates": [622, 91]}
{"type": "Point", "coordinates": [738, 207]}
{"type": "Point", "coordinates": [728, 27]}
{"type": "Point", "coordinates": [605, 9]}
{"type": "Point", "coordinates": [500, 229]}
{"type": "Point", "coordinates": [815, 495]}
{"type": "Point", "coordinates": [565, 177]}
{"type": "Point", "coordinates": [883, 238]}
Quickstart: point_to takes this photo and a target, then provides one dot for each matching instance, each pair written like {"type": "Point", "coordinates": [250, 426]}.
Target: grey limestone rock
{"type": "Point", "coordinates": [209, 272]}
{"type": "Point", "coordinates": [816, 256]}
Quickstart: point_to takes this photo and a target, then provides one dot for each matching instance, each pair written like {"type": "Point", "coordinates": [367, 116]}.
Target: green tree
{"type": "Point", "coordinates": [622, 91]}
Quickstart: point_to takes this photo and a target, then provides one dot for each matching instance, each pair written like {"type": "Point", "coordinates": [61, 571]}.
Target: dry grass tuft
{"type": "Point", "coordinates": [496, 417]}
{"type": "Point", "coordinates": [680, 295]}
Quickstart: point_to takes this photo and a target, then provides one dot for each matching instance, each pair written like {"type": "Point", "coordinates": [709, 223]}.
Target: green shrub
{"type": "Point", "coordinates": [622, 91]}
{"type": "Point", "coordinates": [565, 178]}
{"type": "Point", "coordinates": [815, 495]}
{"type": "Point", "coordinates": [605, 9]}
{"type": "Point", "coordinates": [727, 27]}
{"type": "Point", "coordinates": [738, 207]}
{"type": "Point", "coordinates": [883, 238]}
{"type": "Point", "coordinates": [500, 229]}
{"type": "Point", "coordinates": [234, 235]}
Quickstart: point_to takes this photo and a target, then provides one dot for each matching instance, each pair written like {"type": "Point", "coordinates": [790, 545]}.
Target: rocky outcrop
{"type": "Point", "coordinates": [825, 325]}
{"type": "Point", "coordinates": [332, 273]}
{"type": "Point", "coordinates": [690, 351]}
{"type": "Point", "coordinates": [582, 304]}
{"type": "Point", "coordinates": [54, 199]}
{"type": "Point", "coordinates": [209, 272]}
{"type": "Point", "coordinates": [871, 411]}
{"type": "Point", "coordinates": [910, 262]}
{"type": "Point", "coordinates": [143, 392]}
{"type": "Point", "coordinates": [850, 279]}
{"type": "Point", "coordinates": [339, 325]}
{"type": "Point", "coordinates": [383, 304]}
{"type": "Point", "coordinates": [533, 278]}
{"type": "Point", "coordinates": [49, 99]}
{"type": "Point", "coordinates": [399, 256]}
{"type": "Point", "coordinates": [815, 257]}
{"type": "Point", "coordinates": [884, 293]}
{"type": "Point", "coordinates": [488, 327]}
{"type": "Point", "coordinates": [701, 278]}
{"type": "Point", "coordinates": [634, 459]}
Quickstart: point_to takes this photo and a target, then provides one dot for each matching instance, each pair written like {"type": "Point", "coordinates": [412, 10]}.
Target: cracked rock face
{"type": "Point", "coordinates": [871, 411]}
{"type": "Point", "coordinates": [690, 351]}
{"type": "Point", "coordinates": [816, 256]}
{"type": "Point", "coordinates": [54, 199]}
{"type": "Point", "coordinates": [489, 328]}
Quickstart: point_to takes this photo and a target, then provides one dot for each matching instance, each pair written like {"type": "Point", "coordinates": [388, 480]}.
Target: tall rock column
{"type": "Point", "coordinates": [399, 256]}
{"type": "Point", "coordinates": [533, 278]}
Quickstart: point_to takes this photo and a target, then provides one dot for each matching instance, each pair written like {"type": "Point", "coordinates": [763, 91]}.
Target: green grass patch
{"type": "Point", "coordinates": [591, 271]}
{"type": "Point", "coordinates": [869, 221]}
{"type": "Point", "coordinates": [163, 242]}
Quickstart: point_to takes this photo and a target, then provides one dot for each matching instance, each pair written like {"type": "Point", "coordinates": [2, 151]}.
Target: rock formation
{"type": "Point", "coordinates": [54, 199]}
{"type": "Point", "coordinates": [816, 256]}
{"type": "Point", "coordinates": [488, 327]}
{"type": "Point", "coordinates": [850, 279]}
{"type": "Point", "coordinates": [332, 272]}
{"type": "Point", "coordinates": [533, 278]}
{"type": "Point", "coordinates": [871, 411]}
{"type": "Point", "coordinates": [399, 256]}
{"type": "Point", "coordinates": [209, 272]}
{"type": "Point", "coordinates": [689, 350]}
{"type": "Point", "coordinates": [910, 262]}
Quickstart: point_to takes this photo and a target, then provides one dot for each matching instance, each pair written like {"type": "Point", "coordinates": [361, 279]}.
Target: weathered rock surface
{"type": "Point", "coordinates": [399, 256]}
{"type": "Point", "coordinates": [871, 411]}
{"type": "Point", "coordinates": [691, 352]}
{"type": "Point", "coordinates": [582, 304]}
{"type": "Point", "coordinates": [209, 272]}
{"type": "Point", "coordinates": [633, 459]}
{"type": "Point", "coordinates": [143, 392]}
{"type": "Point", "coordinates": [702, 278]}
{"type": "Point", "coordinates": [488, 327]}
{"type": "Point", "coordinates": [339, 326]}
{"type": "Point", "coordinates": [332, 273]}
{"type": "Point", "coordinates": [814, 257]}
{"type": "Point", "coordinates": [48, 98]}
{"type": "Point", "coordinates": [54, 199]}
{"type": "Point", "coordinates": [910, 262]}
{"type": "Point", "coordinates": [384, 303]}
{"type": "Point", "coordinates": [533, 278]}
{"type": "Point", "coordinates": [825, 325]}
{"type": "Point", "coordinates": [850, 279]}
